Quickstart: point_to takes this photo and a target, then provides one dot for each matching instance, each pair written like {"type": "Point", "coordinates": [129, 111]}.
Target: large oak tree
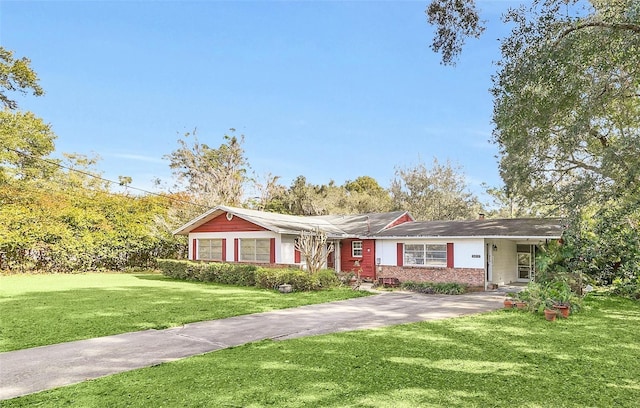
{"type": "Point", "coordinates": [567, 117]}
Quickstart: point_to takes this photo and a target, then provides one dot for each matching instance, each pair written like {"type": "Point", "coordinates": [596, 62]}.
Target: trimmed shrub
{"type": "Point", "coordinates": [241, 275]}
{"type": "Point", "coordinates": [327, 278]}
{"type": "Point", "coordinates": [267, 278]}
{"type": "Point", "coordinates": [435, 288]}
{"type": "Point", "coordinates": [626, 287]}
{"type": "Point", "coordinates": [173, 268]}
{"type": "Point", "coordinates": [247, 275]}
{"type": "Point", "coordinates": [230, 274]}
{"type": "Point", "coordinates": [270, 278]}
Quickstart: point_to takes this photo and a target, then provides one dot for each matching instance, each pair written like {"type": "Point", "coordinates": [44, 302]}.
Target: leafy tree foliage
{"type": "Point", "coordinates": [25, 140]}
{"type": "Point", "coordinates": [507, 205]}
{"type": "Point", "coordinates": [72, 222]}
{"type": "Point", "coordinates": [363, 195]}
{"type": "Point", "coordinates": [211, 176]}
{"type": "Point", "coordinates": [567, 122]}
{"type": "Point", "coordinates": [16, 75]}
{"type": "Point", "coordinates": [567, 103]}
{"type": "Point", "coordinates": [602, 243]}
{"type": "Point", "coordinates": [59, 215]}
{"type": "Point", "coordinates": [455, 21]}
{"type": "Point", "coordinates": [436, 193]}
{"type": "Point", "coordinates": [270, 194]}
{"type": "Point", "coordinates": [567, 115]}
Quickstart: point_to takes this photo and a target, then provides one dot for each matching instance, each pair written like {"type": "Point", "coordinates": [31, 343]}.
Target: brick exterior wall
{"type": "Point", "coordinates": [259, 264]}
{"type": "Point", "coordinates": [474, 277]}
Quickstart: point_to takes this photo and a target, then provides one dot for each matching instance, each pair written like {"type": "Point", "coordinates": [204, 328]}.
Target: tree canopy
{"type": "Point", "coordinates": [16, 75]}
{"type": "Point", "coordinates": [212, 176]}
{"type": "Point", "coordinates": [567, 102]}
{"type": "Point", "coordinates": [59, 214]}
{"type": "Point", "coordinates": [436, 193]}
{"type": "Point", "coordinates": [455, 21]}
{"type": "Point", "coordinates": [567, 120]}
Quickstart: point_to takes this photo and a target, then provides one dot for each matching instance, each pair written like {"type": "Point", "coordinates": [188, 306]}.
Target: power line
{"type": "Point", "coordinates": [104, 179]}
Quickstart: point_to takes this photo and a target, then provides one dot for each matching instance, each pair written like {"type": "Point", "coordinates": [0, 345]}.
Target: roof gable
{"type": "Point", "coordinates": [279, 223]}
{"type": "Point", "coordinates": [222, 223]}
{"type": "Point", "coordinates": [367, 224]}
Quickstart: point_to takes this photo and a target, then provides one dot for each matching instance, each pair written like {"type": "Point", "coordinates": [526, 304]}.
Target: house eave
{"type": "Point", "coordinates": [512, 237]}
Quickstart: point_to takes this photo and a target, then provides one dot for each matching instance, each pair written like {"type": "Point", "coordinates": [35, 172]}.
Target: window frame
{"type": "Point", "coordinates": [354, 249]}
{"type": "Point", "coordinates": [210, 249]}
{"type": "Point", "coordinates": [243, 248]}
{"type": "Point", "coordinates": [427, 254]}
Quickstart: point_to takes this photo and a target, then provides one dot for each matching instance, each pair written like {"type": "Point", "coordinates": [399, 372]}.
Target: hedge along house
{"type": "Point", "coordinates": [478, 252]}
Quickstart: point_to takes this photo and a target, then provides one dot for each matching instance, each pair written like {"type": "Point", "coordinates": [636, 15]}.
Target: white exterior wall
{"type": "Point", "coordinates": [287, 250]}
{"type": "Point", "coordinates": [386, 251]}
{"type": "Point", "coordinates": [230, 236]}
{"type": "Point", "coordinates": [467, 252]}
{"type": "Point", "coordinates": [505, 262]}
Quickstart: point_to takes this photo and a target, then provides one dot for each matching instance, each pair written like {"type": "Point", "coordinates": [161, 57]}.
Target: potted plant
{"type": "Point", "coordinates": [509, 302]}
{"type": "Point", "coordinates": [561, 295]}
{"type": "Point", "coordinates": [522, 299]}
{"type": "Point", "coordinates": [550, 314]}
{"type": "Point", "coordinates": [546, 306]}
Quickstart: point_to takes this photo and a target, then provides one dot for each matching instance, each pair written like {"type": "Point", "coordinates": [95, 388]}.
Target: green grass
{"type": "Point", "coordinates": [37, 310]}
{"type": "Point", "coordinates": [499, 359]}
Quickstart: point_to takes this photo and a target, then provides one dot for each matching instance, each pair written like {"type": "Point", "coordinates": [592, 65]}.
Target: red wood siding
{"type": "Point", "coordinates": [236, 255]}
{"type": "Point", "coordinates": [400, 253]}
{"type": "Point", "coordinates": [450, 255]}
{"type": "Point", "coordinates": [296, 256]}
{"type": "Point", "coordinates": [221, 224]}
{"type": "Point", "coordinates": [400, 220]}
{"type": "Point", "coordinates": [272, 251]}
{"type": "Point", "coordinates": [194, 247]}
{"type": "Point", "coordinates": [367, 260]}
{"type": "Point", "coordinates": [224, 249]}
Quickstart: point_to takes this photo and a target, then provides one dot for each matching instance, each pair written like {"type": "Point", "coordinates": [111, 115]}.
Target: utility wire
{"type": "Point", "coordinates": [104, 179]}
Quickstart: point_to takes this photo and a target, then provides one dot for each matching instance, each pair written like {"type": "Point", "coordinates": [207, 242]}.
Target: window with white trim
{"type": "Point", "coordinates": [210, 249]}
{"type": "Point", "coordinates": [425, 254]}
{"type": "Point", "coordinates": [356, 249]}
{"type": "Point", "coordinates": [255, 250]}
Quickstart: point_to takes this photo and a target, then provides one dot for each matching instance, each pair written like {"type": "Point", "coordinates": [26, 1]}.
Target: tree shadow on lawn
{"type": "Point", "coordinates": [498, 359]}
{"type": "Point", "coordinates": [40, 318]}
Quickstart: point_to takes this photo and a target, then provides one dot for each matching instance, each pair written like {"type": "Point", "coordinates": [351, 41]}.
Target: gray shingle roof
{"type": "Point", "coordinates": [332, 225]}
{"type": "Point", "coordinates": [375, 225]}
{"type": "Point", "coordinates": [363, 224]}
{"type": "Point", "coordinates": [511, 227]}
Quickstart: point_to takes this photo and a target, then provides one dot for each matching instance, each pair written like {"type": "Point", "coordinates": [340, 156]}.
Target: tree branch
{"type": "Point", "coordinates": [601, 24]}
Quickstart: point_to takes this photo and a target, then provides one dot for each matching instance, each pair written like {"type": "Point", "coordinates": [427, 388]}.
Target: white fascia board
{"type": "Point", "coordinates": [396, 238]}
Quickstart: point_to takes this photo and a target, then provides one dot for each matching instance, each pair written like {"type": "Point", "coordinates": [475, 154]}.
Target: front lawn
{"type": "Point", "coordinates": [499, 359]}
{"type": "Point", "coordinates": [37, 310]}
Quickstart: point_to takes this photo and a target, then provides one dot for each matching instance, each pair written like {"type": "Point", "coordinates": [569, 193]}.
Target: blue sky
{"type": "Point", "coordinates": [331, 90]}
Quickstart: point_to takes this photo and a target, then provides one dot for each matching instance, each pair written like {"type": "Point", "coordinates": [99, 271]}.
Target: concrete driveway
{"type": "Point", "coordinates": [27, 371]}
